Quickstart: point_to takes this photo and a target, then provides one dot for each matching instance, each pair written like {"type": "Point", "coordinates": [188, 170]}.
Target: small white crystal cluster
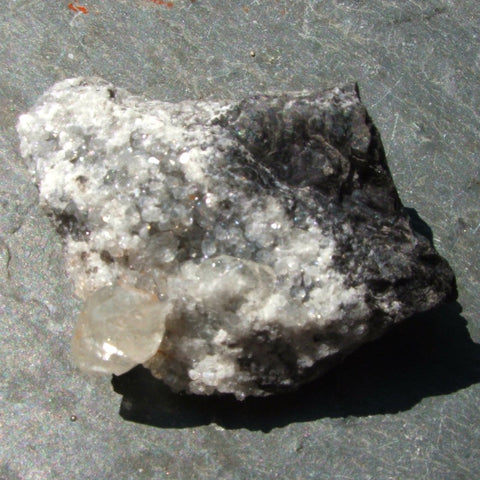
{"type": "Point", "coordinates": [182, 259]}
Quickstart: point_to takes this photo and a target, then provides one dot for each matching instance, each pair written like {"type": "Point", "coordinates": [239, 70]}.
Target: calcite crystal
{"type": "Point", "coordinates": [233, 247]}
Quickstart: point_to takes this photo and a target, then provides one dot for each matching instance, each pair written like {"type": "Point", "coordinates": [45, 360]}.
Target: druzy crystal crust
{"type": "Point", "coordinates": [234, 247]}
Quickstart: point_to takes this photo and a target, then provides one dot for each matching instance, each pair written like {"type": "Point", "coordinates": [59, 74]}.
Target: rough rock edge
{"type": "Point", "coordinates": [273, 142]}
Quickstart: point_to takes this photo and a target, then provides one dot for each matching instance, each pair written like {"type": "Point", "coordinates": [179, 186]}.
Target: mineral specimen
{"type": "Point", "coordinates": [241, 247]}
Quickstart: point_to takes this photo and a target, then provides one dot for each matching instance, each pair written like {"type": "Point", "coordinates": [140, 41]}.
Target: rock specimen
{"type": "Point", "coordinates": [240, 247]}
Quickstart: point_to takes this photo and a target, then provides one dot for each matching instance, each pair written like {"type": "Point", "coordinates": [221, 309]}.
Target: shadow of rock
{"type": "Point", "coordinates": [429, 354]}
{"type": "Point", "coordinates": [419, 225]}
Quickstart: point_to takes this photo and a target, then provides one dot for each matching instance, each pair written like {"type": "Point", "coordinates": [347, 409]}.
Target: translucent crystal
{"type": "Point", "coordinates": [119, 327]}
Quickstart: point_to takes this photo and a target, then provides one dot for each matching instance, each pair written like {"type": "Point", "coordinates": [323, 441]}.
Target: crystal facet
{"type": "Point", "coordinates": [119, 328]}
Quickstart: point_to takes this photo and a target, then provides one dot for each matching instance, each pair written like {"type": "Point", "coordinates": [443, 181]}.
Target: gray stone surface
{"type": "Point", "coordinates": [230, 247]}
{"type": "Point", "coordinates": [406, 407]}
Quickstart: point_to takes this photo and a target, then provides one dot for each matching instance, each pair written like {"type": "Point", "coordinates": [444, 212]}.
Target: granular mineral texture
{"type": "Point", "coordinates": [234, 247]}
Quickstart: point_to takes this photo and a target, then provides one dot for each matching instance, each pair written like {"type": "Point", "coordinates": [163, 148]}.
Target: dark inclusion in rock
{"type": "Point", "coordinates": [337, 156]}
{"type": "Point", "coordinates": [229, 247]}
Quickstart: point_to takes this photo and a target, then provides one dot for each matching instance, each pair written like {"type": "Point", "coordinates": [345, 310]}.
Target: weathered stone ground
{"type": "Point", "coordinates": [403, 407]}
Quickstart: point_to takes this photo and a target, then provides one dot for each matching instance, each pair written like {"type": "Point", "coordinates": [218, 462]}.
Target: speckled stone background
{"type": "Point", "coordinates": [404, 407]}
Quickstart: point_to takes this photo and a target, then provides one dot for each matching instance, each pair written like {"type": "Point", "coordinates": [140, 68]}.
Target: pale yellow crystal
{"type": "Point", "coordinates": [119, 327]}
